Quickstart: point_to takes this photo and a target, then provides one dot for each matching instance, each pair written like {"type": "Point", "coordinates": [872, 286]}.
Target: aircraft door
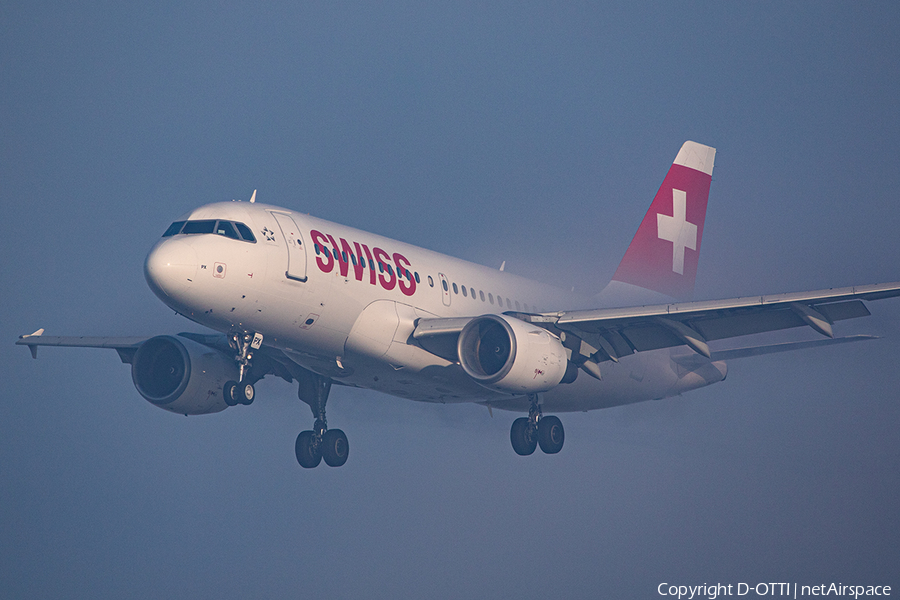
{"type": "Point", "coordinates": [445, 289]}
{"type": "Point", "coordinates": [296, 267]}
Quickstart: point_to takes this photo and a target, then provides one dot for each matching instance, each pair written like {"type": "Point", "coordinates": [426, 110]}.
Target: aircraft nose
{"type": "Point", "coordinates": [170, 268]}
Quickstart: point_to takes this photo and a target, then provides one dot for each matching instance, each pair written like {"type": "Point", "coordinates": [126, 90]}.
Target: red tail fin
{"type": "Point", "coordinates": [663, 254]}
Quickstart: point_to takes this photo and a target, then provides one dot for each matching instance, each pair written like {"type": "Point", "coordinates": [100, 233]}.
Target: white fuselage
{"type": "Point", "coordinates": [351, 316]}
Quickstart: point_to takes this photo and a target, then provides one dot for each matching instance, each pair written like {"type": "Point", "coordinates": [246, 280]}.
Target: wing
{"type": "Point", "coordinates": [611, 333]}
{"type": "Point", "coordinates": [125, 346]}
{"type": "Point", "coordinates": [617, 332]}
{"type": "Point", "coordinates": [268, 361]}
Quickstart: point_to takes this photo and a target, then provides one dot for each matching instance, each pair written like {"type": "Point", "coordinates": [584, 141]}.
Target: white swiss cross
{"type": "Point", "coordinates": [677, 230]}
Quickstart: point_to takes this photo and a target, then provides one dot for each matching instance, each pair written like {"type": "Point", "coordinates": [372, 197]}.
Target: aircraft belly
{"type": "Point", "coordinates": [637, 378]}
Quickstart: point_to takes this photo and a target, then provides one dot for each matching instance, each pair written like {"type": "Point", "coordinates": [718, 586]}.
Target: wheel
{"type": "Point", "coordinates": [335, 448]}
{"type": "Point", "coordinates": [522, 443]}
{"type": "Point", "coordinates": [229, 393]}
{"type": "Point", "coordinates": [307, 454]}
{"type": "Point", "coordinates": [550, 434]}
{"type": "Point", "coordinates": [245, 393]}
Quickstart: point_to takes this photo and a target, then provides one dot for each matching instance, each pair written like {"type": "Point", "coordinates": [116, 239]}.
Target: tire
{"type": "Point", "coordinates": [551, 434]}
{"type": "Point", "coordinates": [307, 454]}
{"type": "Point", "coordinates": [522, 443]}
{"type": "Point", "coordinates": [335, 448]}
{"type": "Point", "coordinates": [245, 393]}
{"type": "Point", "coordinates": [229, 394]}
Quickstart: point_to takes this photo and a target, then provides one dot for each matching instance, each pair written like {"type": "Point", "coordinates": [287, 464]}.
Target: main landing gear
{"type": "Point", "coordinates": [320, 443]}
{"type": "Point", "coordinates": [528, 432]}
{"type": "Point", "coordinates": [242, 391]}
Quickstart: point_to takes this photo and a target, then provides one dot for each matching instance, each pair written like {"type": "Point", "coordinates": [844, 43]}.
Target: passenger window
{"type": "Point", "coordinates": [463, 290]}
{"type": "Point", "coordinates": [508, 304]}
{"type": "Point", "coordinates": [491, 298]}
{"type": "Point", "coordinates": [353, 260]}
{"type": "Point", "coordinates": [316, 246]}
{"type": "Point", "coordinates": [430, 281]}
{"type": "Point", "coordinates": [444, 283]}
{"type": "Point", "coordinates": [381, 267]}
{"type": "Point", "coordinates": [192, 227]}
{"type": "Point", "coordinates": [455, 289]}
{"type": "Point", "coordinates": [517, 305]}
{"type": "Point", "coordinates": [417, 277]}
{"type": "Point", "coordinates": [245, 232]}
{"type": "Point", "coordinates": [227, 229]}
{"type": "Point", "coordinates": [336, 255]}
{"type": "Point", "coordinates": [174, 228]}
{"type": "Point", "coordinates": [481, 293]}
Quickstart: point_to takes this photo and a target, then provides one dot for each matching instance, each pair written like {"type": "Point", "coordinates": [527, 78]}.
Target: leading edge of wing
{"type": "Point", "coordinates": [686, 310]}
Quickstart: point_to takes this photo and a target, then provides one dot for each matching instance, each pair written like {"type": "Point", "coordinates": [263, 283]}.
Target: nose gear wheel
{"type": "Point", "coordinates": [242, 390]}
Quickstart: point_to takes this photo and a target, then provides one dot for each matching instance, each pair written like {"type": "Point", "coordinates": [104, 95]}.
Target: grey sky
{"type": "Point", "coordinates": [524, 132]}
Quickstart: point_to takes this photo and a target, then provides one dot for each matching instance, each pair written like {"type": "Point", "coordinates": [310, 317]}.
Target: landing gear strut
{"type": "Point", "coordinates": [320, 443]}
{"type": "Point", "coordinates": [242, 391]}
{"type": "Point", "coordinates": [528, 432]}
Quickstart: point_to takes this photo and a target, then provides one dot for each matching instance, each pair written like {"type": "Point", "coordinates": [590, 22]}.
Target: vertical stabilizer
{"type": "Point", "coordinates": [663, 255]}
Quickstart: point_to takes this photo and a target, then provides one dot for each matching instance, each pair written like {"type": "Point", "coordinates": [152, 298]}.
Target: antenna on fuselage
{"type": "Point", "coordinates": [253, 197]}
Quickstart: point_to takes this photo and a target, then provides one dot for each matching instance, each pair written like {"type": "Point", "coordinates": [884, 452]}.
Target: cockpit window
{"type": "Point", "coordinates": [174, 228]}
{"type": "Point", "coordinates": [199, 227]}
{"type": "Point", "coordinates": [227, 229]}
{"type": "Point", "coordinates": [245, 232]}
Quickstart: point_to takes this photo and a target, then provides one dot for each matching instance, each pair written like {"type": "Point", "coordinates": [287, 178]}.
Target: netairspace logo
{"type": "Point", "coordinates": [791, 590]}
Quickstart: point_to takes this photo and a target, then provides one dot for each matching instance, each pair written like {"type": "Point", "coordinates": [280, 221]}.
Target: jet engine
{"type": "Point", "coordinates": [181, 375]}
{"type": "Point", "coordinates": [511, 356]}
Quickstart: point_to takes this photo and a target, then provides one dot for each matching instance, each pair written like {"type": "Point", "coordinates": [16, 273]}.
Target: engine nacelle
{"type": "Point", "coordinates": [511, 356]}
{"type": "Point", "coordinates": [182, 376]}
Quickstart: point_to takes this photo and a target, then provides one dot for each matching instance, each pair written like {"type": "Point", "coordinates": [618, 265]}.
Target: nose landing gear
{"type": "Point", "coordinates": [242, 391]}
{"type": "Point", "coordinates": [529, 432]}
{"type": "Point", "coordinates": [321, 443]}
{"type": "Point", "coordinates": [238, 393]}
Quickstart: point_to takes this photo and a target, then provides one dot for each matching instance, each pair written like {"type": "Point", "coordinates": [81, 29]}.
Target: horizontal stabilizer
{"type": "Point", "coordinates": [787, 347]}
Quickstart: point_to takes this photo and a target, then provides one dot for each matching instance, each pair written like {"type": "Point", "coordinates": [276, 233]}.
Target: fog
{"type": "Point", "coordinates": [534, 134]}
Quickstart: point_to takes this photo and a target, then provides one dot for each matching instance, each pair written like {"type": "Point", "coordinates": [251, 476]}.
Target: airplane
{"type": "Point", "coordinates": [297, 297]}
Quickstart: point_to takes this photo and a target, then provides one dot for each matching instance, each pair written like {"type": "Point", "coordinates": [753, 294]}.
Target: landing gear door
{"type": "Point", "coordinates": [296, 267]}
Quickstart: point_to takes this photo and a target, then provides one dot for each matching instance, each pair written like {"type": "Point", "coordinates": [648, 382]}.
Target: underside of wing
{"type": "Point", "coordinates": [125, 346]}
{"type": "Point", "coordinates": [595, 336]}
{"type": "Point", "coordinates": [617, 332]}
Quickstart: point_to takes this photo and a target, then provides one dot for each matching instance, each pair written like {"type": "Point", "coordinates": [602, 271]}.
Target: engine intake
{"type": "Point", "coordinates": [181, 375]}
{"type": "Point", "coordinates": [511, 356]}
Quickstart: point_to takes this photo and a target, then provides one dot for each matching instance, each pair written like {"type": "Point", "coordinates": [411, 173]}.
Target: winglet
{"type": "Point", "coordinates": [253, 197]}
{"type": "Point", "coordinates": [663, 255]}
{"type": "Point", "coordinates": [33, 347]}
